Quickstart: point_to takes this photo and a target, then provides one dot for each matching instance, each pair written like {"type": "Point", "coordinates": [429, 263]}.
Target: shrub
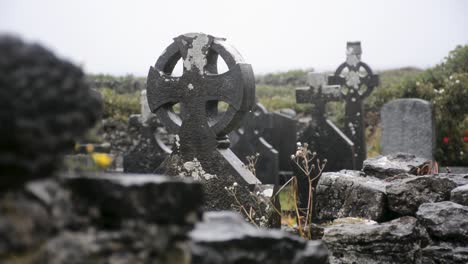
{"type": "Point", "coordinates": [120, 106]}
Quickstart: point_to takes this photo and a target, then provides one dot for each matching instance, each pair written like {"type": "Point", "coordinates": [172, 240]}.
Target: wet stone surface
{"type": "Point", "coordinates": [405, 196]}
{"type": "Point", "coordinates": [350, 194]}
{"type": "Point", "coordinates": [225, 237]}
{"type": "Point", "coordinates": [397, 241]}
{"type": "Point", "coordinates": [387, 166]}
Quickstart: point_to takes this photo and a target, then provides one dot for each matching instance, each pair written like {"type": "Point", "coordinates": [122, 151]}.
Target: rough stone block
{"type": "Point", "coordinates": [406, 195]}
{"type": "Point", "coordinates": [225, 237]}
{"type": "Point", "coordinates": [350, 194]}
{"type": "Point", "coordinates": [398, 241]}
{"type": "Point", "coordinates": [459, 195]}
{"type": "Point", "coordinates": [387, 166]}
{"type": "Point", "coordinates": [446, 221]}
{"type": "Point", "coordinates": [154, 198]}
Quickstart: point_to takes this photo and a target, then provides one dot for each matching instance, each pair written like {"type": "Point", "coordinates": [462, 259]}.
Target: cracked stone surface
{"type": "Point", "coordinates": [398, 241]}
{"type": "Point", "coordinates": [350, 194]}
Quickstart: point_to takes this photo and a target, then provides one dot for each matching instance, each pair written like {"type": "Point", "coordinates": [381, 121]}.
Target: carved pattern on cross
{"type": "Point", "coordinates": [353, 74]}
{"type": "Point", "coordinates": [199, 90]}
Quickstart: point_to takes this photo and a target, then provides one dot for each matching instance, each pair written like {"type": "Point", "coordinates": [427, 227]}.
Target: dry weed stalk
{"type": "Point", "coordinates": [311, 167]}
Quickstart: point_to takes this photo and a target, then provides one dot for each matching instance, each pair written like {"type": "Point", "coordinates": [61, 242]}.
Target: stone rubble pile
{"type": "Point", "coordinates": [421, 219]}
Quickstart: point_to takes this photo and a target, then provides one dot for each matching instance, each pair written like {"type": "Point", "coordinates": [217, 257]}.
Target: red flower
{"type": "Point", "coordinates": [445, 140]}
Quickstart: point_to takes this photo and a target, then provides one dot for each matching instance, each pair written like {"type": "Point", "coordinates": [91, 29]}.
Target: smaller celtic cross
{"type": "Point", "coordinates": [352, 76]}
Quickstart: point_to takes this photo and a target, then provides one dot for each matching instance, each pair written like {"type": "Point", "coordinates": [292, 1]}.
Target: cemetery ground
{"type": "Point", "coordinates": [276, 91]}
{"type": "Point", "coordinates": [158, 171]}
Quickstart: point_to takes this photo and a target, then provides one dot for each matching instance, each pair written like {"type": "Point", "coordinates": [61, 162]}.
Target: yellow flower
{"type": "Point", "coordinates": [89, 148]}
{"type": "Point", "coordinates": [103, 160]}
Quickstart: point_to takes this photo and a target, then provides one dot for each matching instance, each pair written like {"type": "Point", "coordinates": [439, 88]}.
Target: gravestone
{"type": "Point", "coordinates": [322, 135]}
{"type": "Point", "coordinates": [408, 126]}
{"type": "Point", "coordinates": [357, 81]}
{"type": "Point", "coordinates": [283, 137]}
{"type": "Point", "coordinates": [248, 141]}
{"type": "Point", "coordinates": [202, 149]}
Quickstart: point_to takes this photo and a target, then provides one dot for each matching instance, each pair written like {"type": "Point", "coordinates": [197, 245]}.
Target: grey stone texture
{"type": "Point", "coordinates": [459, 195]}
{"type": "Point", "coordinates": [200, 129]}
{"type": "Point", "coordinates": [101, 218]}
{"type": "Point", "coordinates": [138, 196]}
{"type": "Point", "coordinates": [391, 165]}
{"type": "Point", "coordinates": [446, 221]}
{"type": "Point", "coordinates": [350, 194]}
{"type": "Point", "coordinates": [406, 195]}
{"type": "Point", "coordinates": [408, 126]}
{"type": "Point", "coordinates": [445, 253]}
{"type": "Point", "coordinates": [225, 237]}
{"type": "Point", "coordinates": [398, 241]}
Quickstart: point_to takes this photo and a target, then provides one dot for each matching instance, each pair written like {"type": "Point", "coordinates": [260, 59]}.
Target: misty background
{"type": "Point", "coordinates": [126, 37]}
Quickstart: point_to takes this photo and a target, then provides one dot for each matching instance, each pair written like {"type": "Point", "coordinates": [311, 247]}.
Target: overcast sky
{"type": "Point", "coordinates": [121, 37]}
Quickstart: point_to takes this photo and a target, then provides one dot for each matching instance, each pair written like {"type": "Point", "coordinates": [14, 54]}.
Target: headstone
{"type": "Point", "coordinates": [248, 141]}
{"type": "Point", "coordinates": [322, 135]}
{"type": "Point", "coordinates": [353, 76]}
{"type": "Point", "coordinates": [45, 105]}
{"type": "Point", "coordinates": [408, 126]}
{"type": "Point", "coordinates": [202, 149]}
{"type": "Point", "coordinates": [283, 137]}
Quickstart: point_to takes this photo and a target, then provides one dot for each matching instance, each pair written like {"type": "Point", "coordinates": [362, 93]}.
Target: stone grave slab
{"type": "Point", "coordinates": [283, 137]}
{"type": "Point", "coordinates": [248, 141]}
{"type": "Point", "coordinates": [408, 126]}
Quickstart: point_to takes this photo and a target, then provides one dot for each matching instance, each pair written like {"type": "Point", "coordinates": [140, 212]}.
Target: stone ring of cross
{"type": "Point", "coordinates": [200, 88]}
{"type": "Point", "coordinates": [354, 76]}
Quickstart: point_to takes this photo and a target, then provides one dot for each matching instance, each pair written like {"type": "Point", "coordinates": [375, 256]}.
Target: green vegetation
{"type": "Point", "coordinates": [120, 106]}
{"type": "Point", "coordinates": [445, 85]}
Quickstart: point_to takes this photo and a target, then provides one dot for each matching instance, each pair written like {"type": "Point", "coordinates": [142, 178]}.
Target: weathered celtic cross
{"type": "Point", "coordinates": [201, 130]}
{"type": "Point", "coordinates": [353, 75]}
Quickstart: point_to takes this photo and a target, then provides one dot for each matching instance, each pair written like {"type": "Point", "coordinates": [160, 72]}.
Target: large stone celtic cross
{"type": "Point", "coordinates": [201, 129]}
{"type": "Point", "coordinates": [354, 75]}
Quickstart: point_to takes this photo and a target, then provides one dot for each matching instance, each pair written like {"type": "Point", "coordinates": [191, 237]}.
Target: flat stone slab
{"type": "Point", "coordinates": [398, 241]}
{"type": "Point", "coordinates": [459, 195]}
{"type": "Point", "coordinates": [225, 237]}
{"type": "Point", "coordinates": [446, 221]}
{"type": "Point", "coordinates": [387, 166]}
{"type": "Point", "coordinates": [154, 198]}
{"type": "Point", "coordinates": [350, 194]}
{"type": "Point", "coordinates": [406, 195]}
